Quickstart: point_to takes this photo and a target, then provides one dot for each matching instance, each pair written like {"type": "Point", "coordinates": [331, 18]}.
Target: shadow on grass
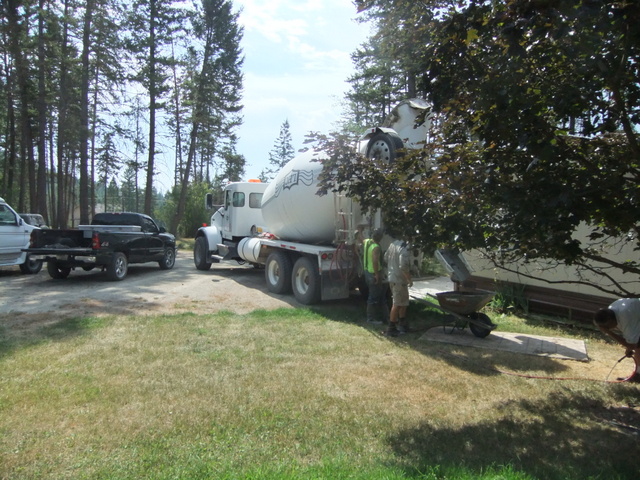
{"type": "Point", "coordinates": [551, 446]}
{"type": "Point", "coordinates": [569, 435]}
{"type": "Point", "coordinates": [424, 318]}
{"type": "Point", "coordinates": [39, 332]}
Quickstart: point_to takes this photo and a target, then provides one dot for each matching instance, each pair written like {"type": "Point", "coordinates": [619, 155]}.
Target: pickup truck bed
{"type": "Point", "coordinates": [107, 244]}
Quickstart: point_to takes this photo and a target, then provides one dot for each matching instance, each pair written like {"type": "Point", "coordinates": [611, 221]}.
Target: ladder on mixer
{"type": "Point", "coordinates": [345, 228]}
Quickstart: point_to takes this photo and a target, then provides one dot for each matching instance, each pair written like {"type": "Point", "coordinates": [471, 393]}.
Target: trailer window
{"type": "Point", "coordinates": [255, 200]}
{"type": "Point", "coordinates": [238, 199]}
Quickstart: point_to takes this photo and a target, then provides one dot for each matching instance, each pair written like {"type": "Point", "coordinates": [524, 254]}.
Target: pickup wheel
{"type": "Point", "coordinates": [277, 273]}
{"type": "Point", "coordinates": [31, 266]}
{"type": "Point", "coordinates": [117, 268]}
{"type": "Point", "coordinates": [305, 281]}
{"type": "Point", "coordinates": [59, 273]}
{"type": "Point", "coordinates": [201, 254]}
{"type": "Point", "coordinates": [168, 260]}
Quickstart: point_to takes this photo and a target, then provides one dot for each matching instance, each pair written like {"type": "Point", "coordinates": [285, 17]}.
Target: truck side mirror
{"type": "Point", "coordinates": [208, 201]}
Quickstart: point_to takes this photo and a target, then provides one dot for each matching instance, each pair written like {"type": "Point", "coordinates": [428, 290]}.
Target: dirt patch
{"type": "Point", "coordinates": [38, 299]}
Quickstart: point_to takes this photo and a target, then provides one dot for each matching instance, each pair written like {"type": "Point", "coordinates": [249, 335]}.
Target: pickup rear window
{"type": "Point", "coordinates": [125, 219]}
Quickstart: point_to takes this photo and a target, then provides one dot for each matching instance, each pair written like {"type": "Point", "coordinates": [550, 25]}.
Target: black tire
{"type": "Point", "coordinates": [384, 147]}
{"type": "Point", "coordinates": [201, 254]}
{"type": "Point", "coordinates": [117, 267]}
{"type": "Point", "coordinates": [59, 273]}
{"type": "Point", "coordinates": [31, 267]}
{"type": "Point", "coordinates": [168, 260]}
{"type": "Point", "coordinates": [277, 273]}
{"type": "Point", "coordinates": [305, 281]}
{"type": "Point", "coordinates": [478, 330]}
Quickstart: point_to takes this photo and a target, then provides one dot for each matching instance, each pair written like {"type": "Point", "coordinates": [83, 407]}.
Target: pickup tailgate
{"type": "Point", "coordinates": [73, 242]}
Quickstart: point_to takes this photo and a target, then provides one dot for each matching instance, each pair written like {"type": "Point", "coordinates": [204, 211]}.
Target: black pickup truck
{"type": "Point", "coordinates": [112, 242]}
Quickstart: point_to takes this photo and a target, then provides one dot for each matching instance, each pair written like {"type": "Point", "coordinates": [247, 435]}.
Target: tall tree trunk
{"type": "Point", "coordinates": [10, 150]}
{"type": "Point", "coordinates": [19, 31]}
{"type": "Point", "coordinates": [94, 122]}
{"type": "Point", "coordinates": [176, 99]}
{"type": "Point", "coordinates": [40, 200]}
{"type": "Point", "coordinates": [84, 114]}
{"type": "Point", "coordinates": [62, 216]}
{"type": "Point", "coordinates": [148, 194]}
{"type": "Point", "coordinates": [51, 191]}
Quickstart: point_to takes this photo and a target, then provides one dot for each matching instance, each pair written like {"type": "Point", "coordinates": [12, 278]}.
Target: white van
{"type": "Point", "coordinates": [14, 236]}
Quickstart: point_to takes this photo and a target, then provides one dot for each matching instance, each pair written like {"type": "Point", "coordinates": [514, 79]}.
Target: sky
{"type": "Point", "coordinates": [297, 61]}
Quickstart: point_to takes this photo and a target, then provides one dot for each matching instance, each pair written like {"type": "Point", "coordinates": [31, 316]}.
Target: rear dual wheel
{"type": "Point", "coordinates": [302, 277]}
{"type": "Point", "coordinates": [277, 273]}
{"type": "Point", "coordinates": [305, 281]}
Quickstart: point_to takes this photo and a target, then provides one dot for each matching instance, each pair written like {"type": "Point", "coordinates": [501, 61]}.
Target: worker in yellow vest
{"type": "Point", "coordinates": [374, 276]}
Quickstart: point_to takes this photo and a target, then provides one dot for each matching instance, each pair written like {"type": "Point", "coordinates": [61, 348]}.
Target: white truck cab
{"type": "Point", "coordinates": [240, 211]}
{"type": "Point", "coordinates": [235, 219]}
{"type": "Point", "coordinates": [15, 234]}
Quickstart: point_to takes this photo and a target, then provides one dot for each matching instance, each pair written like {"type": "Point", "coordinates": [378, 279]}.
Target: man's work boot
{"type": "Point", "coordinates": [403, 326]}
{"type": "Point", "coordinates": [371, 314]}
{"type": "Point", "coordinates": [392, 330]}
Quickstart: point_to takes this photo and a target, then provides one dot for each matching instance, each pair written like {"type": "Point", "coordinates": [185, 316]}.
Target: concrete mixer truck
{"type": "Point", "coordinates": [305, 242]}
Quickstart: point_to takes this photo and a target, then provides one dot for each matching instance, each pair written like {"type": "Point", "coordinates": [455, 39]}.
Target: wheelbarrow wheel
{"type": "Point", "coordinates": [479, 330]}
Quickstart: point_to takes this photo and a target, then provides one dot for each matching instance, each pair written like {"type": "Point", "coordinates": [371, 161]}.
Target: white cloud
{"type": "Point", "coordinates": [297, 59]}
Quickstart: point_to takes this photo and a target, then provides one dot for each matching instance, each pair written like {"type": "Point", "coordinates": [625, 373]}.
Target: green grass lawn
{"type": "Point", "coordinates": [302, 393]}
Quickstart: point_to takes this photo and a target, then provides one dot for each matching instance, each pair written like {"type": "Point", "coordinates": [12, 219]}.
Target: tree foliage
{"type": "Point", "coordinates": [280, 154]}
{"type": "Point", "coordinates": [541, 104]}
{"type": "Point", "coordinates": [72, 74]}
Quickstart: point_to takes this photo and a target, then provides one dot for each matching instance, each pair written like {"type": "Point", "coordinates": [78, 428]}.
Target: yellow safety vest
{"type": "Point", "coordinates": [369, 245]}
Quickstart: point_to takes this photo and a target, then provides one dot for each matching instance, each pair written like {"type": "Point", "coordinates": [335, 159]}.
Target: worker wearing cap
{"type": "Point", "coordinates": [372, 263]}
{"type": "Point", "coordinates": [621, 321]}
{"type": "Point", "coordinates": [398, 263]}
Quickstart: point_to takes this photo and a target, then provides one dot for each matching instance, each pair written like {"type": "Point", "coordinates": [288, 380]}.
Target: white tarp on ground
{"type": "Point", "coordinates": [552, 347]}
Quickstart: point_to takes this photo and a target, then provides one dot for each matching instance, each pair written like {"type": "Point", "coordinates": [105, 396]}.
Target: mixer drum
{"type": "Point", "coordinates": [291, 207]}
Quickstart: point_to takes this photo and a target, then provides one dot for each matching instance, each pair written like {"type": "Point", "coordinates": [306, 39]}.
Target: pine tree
{"type": "Point", "coordinates": [153, 24]}
{"type": "Point", "coordinates": [281, 153]}
{"type": "Point", "coordinates": [215, 92]}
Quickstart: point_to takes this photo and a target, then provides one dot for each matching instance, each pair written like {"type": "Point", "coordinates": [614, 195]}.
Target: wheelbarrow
{"type": "Point", "coordinates": [463, 307]}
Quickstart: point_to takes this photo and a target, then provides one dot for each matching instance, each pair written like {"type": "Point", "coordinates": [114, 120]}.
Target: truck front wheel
{"type": "Point", "coordinates": [201, 254]}
{"type": "Point", "coordinates": [277, 273]}
{"type": "Point", "coordinates": [59, 273]}
{"type": "Point", "coordinates": [168, 260]}
{"type": "Point", "coordinates": [305, 281]}
{"type": "Point", "coordinates": [31, 266]}
{"type": "Point", "coordinates": [117, 268]}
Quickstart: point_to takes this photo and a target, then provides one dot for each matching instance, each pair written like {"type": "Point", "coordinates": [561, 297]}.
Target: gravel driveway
{"type": "Point", "coordinates": [145, 290]}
